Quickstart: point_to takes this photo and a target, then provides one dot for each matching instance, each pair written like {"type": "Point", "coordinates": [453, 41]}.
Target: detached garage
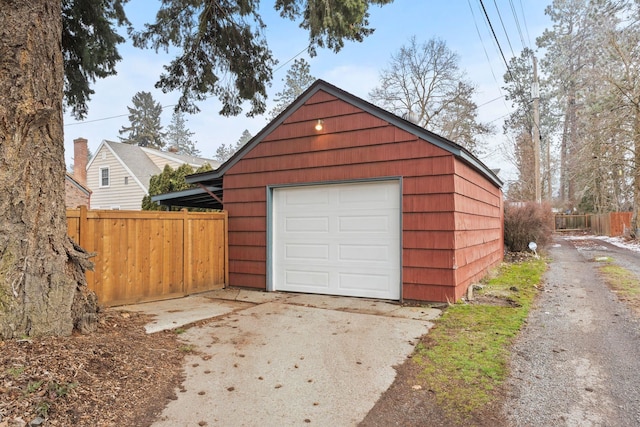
{"type": "Point", "coordinates": [337, 196]}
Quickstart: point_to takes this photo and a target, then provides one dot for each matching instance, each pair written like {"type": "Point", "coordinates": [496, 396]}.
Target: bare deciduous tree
{"type": "Point", "coordinates": [424, 84]}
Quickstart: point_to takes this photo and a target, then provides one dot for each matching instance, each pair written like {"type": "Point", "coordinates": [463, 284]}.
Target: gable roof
{"type": "Point", "coordinates": [69, 177]}
{"type": "Point", "coordinates": [211, 181]}
{"type": "Point", "coordinates": [321, 85]}
{"type": "Point", "coordinates": [139, 165]}
{"type": "Point", "coordinates": [181, 158]}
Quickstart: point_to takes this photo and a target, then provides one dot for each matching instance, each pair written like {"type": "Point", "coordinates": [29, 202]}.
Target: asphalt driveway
{"type": "Point", "coordinates": [271, 359]}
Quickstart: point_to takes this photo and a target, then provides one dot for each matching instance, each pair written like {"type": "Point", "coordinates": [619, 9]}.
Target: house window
{"type": "Point", "coordinates": [104, 177]}
{"type": "Point", "coordinates": [126, 180]}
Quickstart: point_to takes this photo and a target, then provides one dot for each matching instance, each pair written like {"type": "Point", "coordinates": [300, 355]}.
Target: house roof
{"type": "Point", "coordinates": [135, 160]}
{"type": "Point", "coordinates": [182, 158]}
{"type": "Point", "coordinates": [214, 177]}
{"type": "Point", "coordinates": [77, 184]}
{"type": "Point", "coordinates": [140, 166]}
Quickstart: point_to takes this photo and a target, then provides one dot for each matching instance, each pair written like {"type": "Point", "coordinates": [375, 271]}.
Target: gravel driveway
{"type": "Point", "coordinates": [577, 363]}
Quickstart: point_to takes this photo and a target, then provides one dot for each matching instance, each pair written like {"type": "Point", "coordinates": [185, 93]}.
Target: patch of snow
{"type": "Point", "coordinates": [622, 243]}
{"type": "Point", "coordinates": [616, 241]}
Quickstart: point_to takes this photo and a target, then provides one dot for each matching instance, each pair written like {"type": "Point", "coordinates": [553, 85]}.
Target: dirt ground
{"type": "Point", "coordinates": [118, 376]}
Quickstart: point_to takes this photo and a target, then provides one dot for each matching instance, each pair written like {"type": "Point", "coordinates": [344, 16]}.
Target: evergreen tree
{"type": "Point", "coordinates": [298, 79]}
{"type": "Point", "coordinates": [89, 47]}
{"type": "Point", "coordinates": [244, 138]}
{"type": "Point", "coordinates": [144, 127]}
{"type": "Point", "coordinates": [221, 50]}
{"type": "Point", "coordinates": [232, 38]}
{"type": "Point", "coordinates": [168, 181]}
{"type": "Point", "coordinates": [179, 137]}
{"type": "Point", "coordinates": [224, 151]}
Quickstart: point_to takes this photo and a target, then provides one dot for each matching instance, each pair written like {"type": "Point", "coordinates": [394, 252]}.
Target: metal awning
{"type": "Point", "coordinates": [207, 197]}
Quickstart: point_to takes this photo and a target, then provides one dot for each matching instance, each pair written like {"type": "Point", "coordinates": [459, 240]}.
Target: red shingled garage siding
{"type": "Point", "coordinates": [451, 214]}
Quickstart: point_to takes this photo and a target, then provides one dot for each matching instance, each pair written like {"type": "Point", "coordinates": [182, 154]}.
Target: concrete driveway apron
{"type": "Point", "coordinates": [271, 359]}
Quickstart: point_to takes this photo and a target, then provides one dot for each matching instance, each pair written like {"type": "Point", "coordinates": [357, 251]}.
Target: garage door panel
{"type": "Point", "coordinates": [370, 196]}
{"type": "Point", "coordinates": [299, 224]}
{"type": "Point", "coordinates": [348, 243]}
{"type": "Point", "coordinates": [306, 196]}
{"type": "Point", "coordinates": [314, 281]}
{"type": "Point", "coordinates": [364, 253]}
{"type": "Point", "coordinates": [307, 252]}
{"type": "Point", "coordinates": [364, 282]}
{"type": "Point", "coordinates": [360, 224]}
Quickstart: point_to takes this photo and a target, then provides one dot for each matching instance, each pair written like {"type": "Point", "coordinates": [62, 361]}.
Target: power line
{"type": "Point", "coordinates": [495, 37]}
{"type": "Point", "coordinates": [506, 34]}
{"type": "Point", "coordinates": [109, 118]}
{"type": "Point", "coordinates": [486, 54]}
{"type": "Point", "coordinates": [524, 20]}
{"type": "Point", "coordinates": [490, 101]}
{"type": "Point", "coordinates": [173, 105]}
{"type": "Point", "coordinates": [291, 59]}
{"type": "Point", "coordinates": [517, 21]}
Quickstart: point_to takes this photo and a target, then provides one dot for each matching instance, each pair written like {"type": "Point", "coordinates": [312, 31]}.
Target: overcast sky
{"type": "Point", "coordinates": [354, 69]}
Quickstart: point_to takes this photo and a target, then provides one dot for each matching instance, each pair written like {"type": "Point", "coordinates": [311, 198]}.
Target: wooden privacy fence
{"type": "Point", "coordinates": [610, 224]}
{"type": "Point", "coordinates": [147, 256]}
{"type": "Point", "coordinates": [571, 222]}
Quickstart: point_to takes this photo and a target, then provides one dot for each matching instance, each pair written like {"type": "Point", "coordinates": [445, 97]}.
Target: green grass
{"type": "Point", "coordinates": [34, 386]}
{"type": "Point", "coordinates": [42, 408]}
{"type": "Point", "coordinates": [624, 282]}
{"type": "Point", "coordinates": [61, 389]}
{"type": "Point", "coordinates": [464, 357]}
{"type": "Point", "coordinates": [16, 371]}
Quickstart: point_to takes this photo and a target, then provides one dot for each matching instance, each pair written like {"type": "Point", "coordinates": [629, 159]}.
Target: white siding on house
{"type": "Point", "coordinates": [118, 194]}
{"type": "Point", "coordinates": [130, 169]}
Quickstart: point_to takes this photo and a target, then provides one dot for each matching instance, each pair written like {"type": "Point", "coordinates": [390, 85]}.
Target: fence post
{"type": "Point", "coordinates": [226, 249]}
{"type": "Point", "coordinates": [187, 267]}
{"type": "Point", "coordinates": [82, 227]}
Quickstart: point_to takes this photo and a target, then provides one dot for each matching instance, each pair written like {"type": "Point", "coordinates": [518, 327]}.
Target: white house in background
{"type": "Point", "coordinates": [119, 174]}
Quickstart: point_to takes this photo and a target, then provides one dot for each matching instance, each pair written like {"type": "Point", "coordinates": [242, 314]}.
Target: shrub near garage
{"type": "Point", "coordinates": [531, 222]}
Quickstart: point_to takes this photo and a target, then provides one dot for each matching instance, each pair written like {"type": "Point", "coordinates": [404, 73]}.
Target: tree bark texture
{"type": "Point", "coordinates": [41, 272]}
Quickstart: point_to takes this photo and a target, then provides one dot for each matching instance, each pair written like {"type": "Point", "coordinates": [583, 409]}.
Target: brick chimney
{"type": "Point", "coordinates": [80, 160]}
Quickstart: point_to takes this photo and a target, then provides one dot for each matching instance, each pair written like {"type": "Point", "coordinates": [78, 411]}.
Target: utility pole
{"type": "Point", "coordinates": [535, 94]}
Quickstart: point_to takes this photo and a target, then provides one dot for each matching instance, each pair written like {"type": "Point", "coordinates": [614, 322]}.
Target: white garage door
{"type": "Point", "coordinates": [339, 239]}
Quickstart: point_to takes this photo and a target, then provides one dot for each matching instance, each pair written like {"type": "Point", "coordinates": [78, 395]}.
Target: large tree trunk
{"type": "Point", "coordinates": [41, 273]}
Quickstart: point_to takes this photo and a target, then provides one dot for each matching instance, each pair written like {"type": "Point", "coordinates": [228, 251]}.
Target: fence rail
{"type": "Point", "coordinates": [147, 256]}
{"type": "Point", "coordinates": [610, 224]}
